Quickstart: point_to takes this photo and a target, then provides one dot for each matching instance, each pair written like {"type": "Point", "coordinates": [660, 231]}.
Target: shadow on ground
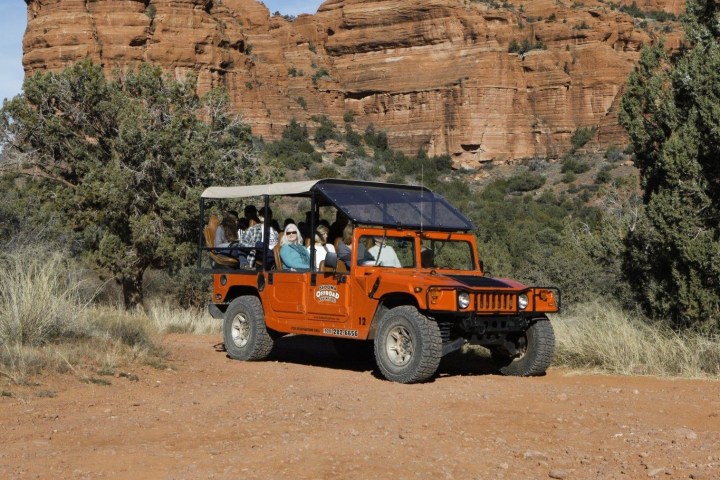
{"type": "Point", "coordinates": [320, 352]}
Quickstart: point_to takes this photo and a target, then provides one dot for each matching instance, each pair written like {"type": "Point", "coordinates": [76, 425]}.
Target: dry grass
{"type": "Point", "coordinates": [168, 319]}
{"type": "Point", "coordinates": [605, 338]}
{"type": "Point", "coordinates": [48, 325]}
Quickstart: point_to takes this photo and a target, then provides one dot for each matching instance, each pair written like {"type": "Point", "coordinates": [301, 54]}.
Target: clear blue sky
{"type": "Point", "coordinates": [13, 18]}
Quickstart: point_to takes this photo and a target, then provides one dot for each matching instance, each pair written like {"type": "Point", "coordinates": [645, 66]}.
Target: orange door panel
{"type": "Point", "coordinates": [286, 293]}
{"type": "Point", "coordinates": [328, 299]}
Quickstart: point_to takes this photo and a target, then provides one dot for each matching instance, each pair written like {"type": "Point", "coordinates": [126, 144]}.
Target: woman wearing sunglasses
{"type": "Point", "coordinates": [293, 254]}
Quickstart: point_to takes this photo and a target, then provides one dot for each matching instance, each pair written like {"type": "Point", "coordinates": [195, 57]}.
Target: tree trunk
{"type": "Point", "coordinates": [132, 286]}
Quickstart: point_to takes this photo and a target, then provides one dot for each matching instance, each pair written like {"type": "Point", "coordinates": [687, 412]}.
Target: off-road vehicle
{"type": "Point", "coordinates": [425, 295]}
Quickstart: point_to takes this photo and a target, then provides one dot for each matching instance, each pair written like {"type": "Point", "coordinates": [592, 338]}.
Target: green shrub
{"type": "Point", "coordinates": [603, 176]}
{"type": "Point", "coordinates": [351, 136]}
{"type": "Point", "coordinates": [525, 182]}
{"type": "Point", "coordinates": [614, 154]}
{"type": "Point", "coordinates": [572, 164]}
{"type": "Point", "coordinates": [581, 136]}
{"type": "Point", "coordinates": [326, 129]}
{"type": "Point", "coordinates": [321, 73]}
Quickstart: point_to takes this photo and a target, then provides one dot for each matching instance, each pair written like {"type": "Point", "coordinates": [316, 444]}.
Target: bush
{"type": "Point", "coordinates": [525, 182]}
{"type": "Point", "coordinates": [614, 154]}
{"type": "Point", "coordinates": [325, 131]}
{"type": "Point", "coordinates": [572, 164]}
{"type": "Point", "coordinates": [295, 132]}
{"type": "Point", "coordinates": [603, 176]}
{"type": "Point", "coordinates": [325, 171]}
{"type": "Point", "coordinates": [321, 73]}
{"type": "Point", "coordinates": [581, 136]}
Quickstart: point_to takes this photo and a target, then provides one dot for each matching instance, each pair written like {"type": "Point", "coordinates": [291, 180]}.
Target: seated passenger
{"type": "Point", "coordinates": [230, 247]}
{"type": "Point", "coordinates": [384, 254]}
{"type": "Point", "coordinates": [253, 236]}
{"type": "Point", "coordinates": [427, 258]}
{"type": "Point", "coordinates": [345, 248]}
{"type": "Point", "coordinates": [293, 254]}
{"type": "Point", "coordinates": [243, 224]}
{"type": "Point", "coordinates": [322, 248]}
{"type": "Point", "coordinates": [251, 214]}
{"type": "Point", "coordinates": [229, 222]}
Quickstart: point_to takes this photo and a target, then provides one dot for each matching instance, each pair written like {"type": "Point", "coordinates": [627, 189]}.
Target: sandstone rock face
{"type": "Point", "coordinates": [441, 75]}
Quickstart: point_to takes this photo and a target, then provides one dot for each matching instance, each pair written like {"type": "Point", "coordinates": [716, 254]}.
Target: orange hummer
{"type": "Point", "coordinates": [406, 281]}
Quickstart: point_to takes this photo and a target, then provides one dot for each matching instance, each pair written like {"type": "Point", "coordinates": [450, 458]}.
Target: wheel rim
{"type": "Point", "coordinates": [399, 346]}
{"type": "Point", "coordinates": [240, 330]}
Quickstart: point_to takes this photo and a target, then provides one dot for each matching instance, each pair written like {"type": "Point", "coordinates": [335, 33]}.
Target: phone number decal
{"type": "Point", "coordinates": [340, 332]}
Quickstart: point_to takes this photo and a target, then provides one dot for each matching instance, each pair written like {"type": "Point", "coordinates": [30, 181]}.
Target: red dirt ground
{"type": "Point", "coordinates": [306, 414]}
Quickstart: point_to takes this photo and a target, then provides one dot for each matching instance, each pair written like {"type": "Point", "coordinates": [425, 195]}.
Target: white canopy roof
{"type": "Point", "coordinates": [286, 188]}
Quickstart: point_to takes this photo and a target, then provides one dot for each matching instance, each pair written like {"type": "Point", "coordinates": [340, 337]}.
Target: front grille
{"type": "Point", "coordinates": [496, 302]}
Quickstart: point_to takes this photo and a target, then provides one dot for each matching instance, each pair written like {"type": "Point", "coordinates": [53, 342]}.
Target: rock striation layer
{"type": "Point", "coordinates": [476, 79]}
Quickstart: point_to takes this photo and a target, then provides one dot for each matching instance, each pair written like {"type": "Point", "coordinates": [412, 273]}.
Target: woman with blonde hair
{"type": "Point", "coordinates": [293, 254]}
{"type": "Point", "coordinates": [322, 247]}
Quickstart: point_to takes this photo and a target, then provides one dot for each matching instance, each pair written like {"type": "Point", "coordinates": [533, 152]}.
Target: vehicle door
{"type": "Point", "coordinates": [286, 288]}
{"type": "Point", "coordinates": [328, 300]}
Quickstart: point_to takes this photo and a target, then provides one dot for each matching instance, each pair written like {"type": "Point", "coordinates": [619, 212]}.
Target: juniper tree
{"type": "Point", "coordinates": [124, 161]}
{"type": "Point", "coordinates": [671, 110]}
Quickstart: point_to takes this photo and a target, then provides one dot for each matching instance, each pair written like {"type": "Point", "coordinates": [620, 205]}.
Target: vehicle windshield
{"type": "Point", "coordinates": [451, 254]}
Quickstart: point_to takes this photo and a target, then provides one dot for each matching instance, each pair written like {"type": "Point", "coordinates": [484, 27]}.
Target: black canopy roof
{"type": "Point", "coordinates": [366, 203]}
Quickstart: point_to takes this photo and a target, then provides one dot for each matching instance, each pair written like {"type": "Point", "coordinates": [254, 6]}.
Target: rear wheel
{"type": "Point", "coordinates": [244, 331]}
{"type": "Point", "coordinates": [408, 346]}
{"type": "Point", "coordinates": [536, 347]}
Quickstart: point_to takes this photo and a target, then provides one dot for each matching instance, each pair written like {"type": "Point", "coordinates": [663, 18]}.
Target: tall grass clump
{"type": "Point", "coordinates": [606, 338]}
{"type": "Point", "coordinates": [49, 323]}
{"type": "Point", "coordinates": [39, 302]}
{"type": "Point", "coordinates": [168, 319]}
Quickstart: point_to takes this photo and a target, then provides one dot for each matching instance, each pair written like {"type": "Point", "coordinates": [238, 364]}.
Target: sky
{"type": "Point", "coordinates": [13, 18]}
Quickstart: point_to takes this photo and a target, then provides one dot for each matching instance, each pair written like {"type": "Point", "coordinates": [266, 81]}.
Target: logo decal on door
{"type": "Point", "coordinates": [327, 293]}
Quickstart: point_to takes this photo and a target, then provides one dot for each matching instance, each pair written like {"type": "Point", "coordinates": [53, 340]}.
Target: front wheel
{"type": "Point", "coordinates": [536, 348]}
{"type": "Point", "coordinates": [244, 331]}
{"type": "Point", "coordinates": [408, 346]}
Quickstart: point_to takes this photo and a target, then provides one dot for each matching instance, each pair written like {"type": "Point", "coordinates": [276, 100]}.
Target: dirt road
{"type": "Point", "coordinates": [309, 415]}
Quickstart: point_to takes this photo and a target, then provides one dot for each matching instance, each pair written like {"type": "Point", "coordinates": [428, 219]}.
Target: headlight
{"type": "Point", "coordinates": [522, 301]}
{"type": "Point", "coordinates": [463, 300]}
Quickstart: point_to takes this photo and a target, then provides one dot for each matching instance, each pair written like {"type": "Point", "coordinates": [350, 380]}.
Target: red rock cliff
{"type": "Point", "coordinates": [436, 74]}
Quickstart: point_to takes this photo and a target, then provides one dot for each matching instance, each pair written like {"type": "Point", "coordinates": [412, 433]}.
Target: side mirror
{"type": "Point", "coordinates": [331, 260]}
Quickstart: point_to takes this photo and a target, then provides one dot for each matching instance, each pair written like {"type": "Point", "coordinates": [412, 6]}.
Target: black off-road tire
{"type": "Point", "coordinates": [244, 331]}
{"type": "Point", "coordinates": [536, 355]}
{"type": "Point", "coordinates": [408, 346]}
